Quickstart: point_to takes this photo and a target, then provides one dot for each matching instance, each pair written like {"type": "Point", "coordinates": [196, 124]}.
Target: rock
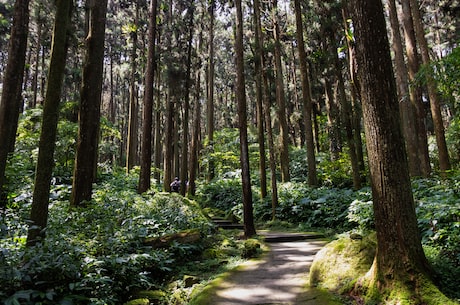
{"type": "Point", "coordinates": [190, 280]}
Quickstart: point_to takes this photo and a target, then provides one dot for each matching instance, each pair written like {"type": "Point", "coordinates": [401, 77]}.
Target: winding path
{"type": "Point", "coordinates": [279, 278]}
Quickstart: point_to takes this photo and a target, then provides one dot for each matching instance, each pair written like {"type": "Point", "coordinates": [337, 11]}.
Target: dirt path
{"type": "Point", "coordinates": [279, 278]}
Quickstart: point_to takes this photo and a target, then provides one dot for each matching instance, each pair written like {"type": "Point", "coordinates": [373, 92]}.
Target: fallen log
{"type": "Point", "coordinates": [165, 241]}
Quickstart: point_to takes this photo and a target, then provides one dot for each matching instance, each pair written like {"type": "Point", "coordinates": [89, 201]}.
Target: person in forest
{"type": "Point", "coordinates": [175, 185]}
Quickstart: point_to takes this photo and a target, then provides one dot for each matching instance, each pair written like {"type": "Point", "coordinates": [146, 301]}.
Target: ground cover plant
{"type": "Point", "coordinates": [99, 254]}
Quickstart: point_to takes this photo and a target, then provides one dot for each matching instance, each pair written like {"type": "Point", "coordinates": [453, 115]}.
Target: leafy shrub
{"type": "Point", "coordinates": [453, 139]}
{"type": "Point", "coordinates": [223, 194]}
{"type": "Point", "coordinates": [96, 255]}
{"type": "Point", "coordinates": [439, 214]}
{"type": "Point", "coordinates": [312, 207]}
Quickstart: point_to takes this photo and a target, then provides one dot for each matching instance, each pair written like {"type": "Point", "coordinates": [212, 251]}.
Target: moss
{"type": "Point", "coordinates": [138, 302]}
{"type": "Point", "coordinates": [251, 248]}
{"type": "Point", "coordinates": [152, 296]}
{"type": "Point", "coordinates": [337, 266]}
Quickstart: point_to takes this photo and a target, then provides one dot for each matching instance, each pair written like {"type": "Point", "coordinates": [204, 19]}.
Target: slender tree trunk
{"type": "Point", "coordinates": [413, 66]}
{"type": "Point", "coordinates": [168, 138]}
{"type": "Point", "coordinates": [435, 103]}
{"type": "Point", "coordinates": [146, 152]}
{"type": "Point", "coordinates": [47, 144]}
{"type": "Point", "coordinates": [333, 122]}
{"type": "Point", "coordinates": [133, 121]}
{"type": "Point", "coordinates": [355, 99]}
{"type": "Point", "coordinates": [258, 60]}
{"type": "Point", "coordinates": [210, 88]}
{"type": "Point", "coordinates": [90, 107]}
{"type": "Point", "coordinates": [37, 57]}
{"type": "Point", "coordinates": [185, 123]}
{"type": "Point", "coordinates": [280, 98]}
{"type": "Point", "coordinates": [400, 259]}
{"type": "Point", "coordinates": [196, 134]}
{"type": "Point", "coordinates": [408, 111]}
{"type": "Point", "coordinates": [240, 91]}
{"type": "Point", "coordinates": [347, 113]}
{"type": "Point", "coordinates": [12, 86]}
{"type": "Point", "coordinates": [306, 97]}
{"type": "Point", "coordinates": [158, 127]}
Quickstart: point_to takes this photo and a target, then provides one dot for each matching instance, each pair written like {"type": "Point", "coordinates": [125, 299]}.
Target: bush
{"type": "Point", "coordinates": [96, 254]}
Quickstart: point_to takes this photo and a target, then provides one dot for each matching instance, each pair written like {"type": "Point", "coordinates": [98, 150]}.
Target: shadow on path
{"type": "Point", "coordinates": [278, 279]}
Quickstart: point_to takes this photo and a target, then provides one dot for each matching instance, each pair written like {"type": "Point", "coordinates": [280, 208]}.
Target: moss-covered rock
{"type": "Point", "coordinates": [337, 266]}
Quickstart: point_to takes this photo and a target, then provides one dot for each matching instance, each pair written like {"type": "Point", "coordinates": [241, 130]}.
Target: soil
{"type": "Point", "coordinates": [279, 278]}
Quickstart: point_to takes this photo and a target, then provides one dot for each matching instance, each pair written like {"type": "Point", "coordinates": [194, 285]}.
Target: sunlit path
{"type": "Point", "coordinates": [278, 279]}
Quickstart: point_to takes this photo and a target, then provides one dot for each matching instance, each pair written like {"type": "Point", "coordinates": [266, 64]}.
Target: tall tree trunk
{"type": "Point", "coordinates": [435, 103]}
{"type": "Point", "coordinates": [12, 86]}
{"type": "Point", "coordinates": [280, 97]}
{"type": "Point", "coordinates": [146, 152]}
{"type": "Point", "coordinates": [407, 109]}
{"type": "Point", "coordinates": [157, 156]}
{"type": "Point", "coordinates": [347, 113]}
{"type": "Point", "coordinates": [196, 133]}
{"type": "Point", "coordinates": [413, 66]}
{"type": "Point", "coordinates": [90, 107]}
{"type": "Point", "coordinates": [47, 144]}
{"type": "Point", "coordinates": [400, 260]}
{"type": "Point", "coordinates": [355, 99]}
{"type": "Point", "coordinates": [168, 136]}
{"type": "Point", "coordinates": [333, 121]}
{"type": "Point", "coordinates": [240, 91]}
{"type": "Point", "coordinates": [306, 97]}
{"type": "Point", "coordinates": [133, 121]}
{"type": "Point", "coordinates": [210, 88]}
{"type": "Point", "coordinates": [185, 122]}
{"type": "Point", "coordinates": [258, 60]}
{"type": "Point", "coordinates": [38, 50]}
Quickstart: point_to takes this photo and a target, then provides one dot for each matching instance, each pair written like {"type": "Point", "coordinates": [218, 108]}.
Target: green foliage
{"type": "Point", "coordinates": [222, 194]}
{"type": "Point", "coordinates": [312, 207]}
{"type": "Point", "coordinates": [439, 214]}
{"type": "Point", "coordinates": [224, 152]}
{"type": "Point", "coordinates": [96, 255]}
{"type": "Point", "coordinates": [453, 140]}
{"type": "Point", "coordinates": [446, 72]}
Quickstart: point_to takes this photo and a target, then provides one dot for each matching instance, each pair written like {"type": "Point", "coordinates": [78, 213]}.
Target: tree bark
{"type": "Point", "coordinates": [240, 91]}
{"type": "Point", "coordinates": [435, 103]}
{"type": "Point", "coordinates": [90, 107]}
{"type": "Point", "coordinates": [408, 111]}
{"type": "Point", "coordinates": [280, 97]}
{"type": "Point", "coordinates": [47, 143]}
{"type": "Point", "coordinates": [413, 66]}
{"type": "Point", "coordinates": [400, 258]}
{"type": "Point", "coordinates": [133, 121]}
{"type": "Point", "coordinates": [258, 60]}
{"type": "Point", "coordinates": [146, 150]}
{"type": "Point", "coordinates": [306, 97]}
{"type": "Point", "coordinates": [185, 124]}
{"type": "Point", "coordinates": [210, 89]}
{"type": "Point", "coordinates": [12, 86]}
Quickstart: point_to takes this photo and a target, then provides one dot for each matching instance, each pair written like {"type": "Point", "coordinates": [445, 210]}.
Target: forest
{"type": "Point", "coordinates": [334, 116]}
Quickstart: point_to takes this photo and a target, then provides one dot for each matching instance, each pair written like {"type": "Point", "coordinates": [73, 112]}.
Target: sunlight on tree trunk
{"type": "Point", "coordinates": [400, 259]}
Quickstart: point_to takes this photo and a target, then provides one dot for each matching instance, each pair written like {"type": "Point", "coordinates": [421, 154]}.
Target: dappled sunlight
{"type": "Point", "coordinates": [278, 279]}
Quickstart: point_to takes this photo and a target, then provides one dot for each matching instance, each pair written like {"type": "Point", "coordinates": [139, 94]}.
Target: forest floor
{"type": "Point", "coordinates": [280, 277]}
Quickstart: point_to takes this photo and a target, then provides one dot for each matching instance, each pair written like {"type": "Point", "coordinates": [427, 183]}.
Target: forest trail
{"type": "Point", "coordinates": [279, 278]}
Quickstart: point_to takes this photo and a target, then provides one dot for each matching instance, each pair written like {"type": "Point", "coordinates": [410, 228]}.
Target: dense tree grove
{"type": "Point", "coordinates": [336, 94]}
